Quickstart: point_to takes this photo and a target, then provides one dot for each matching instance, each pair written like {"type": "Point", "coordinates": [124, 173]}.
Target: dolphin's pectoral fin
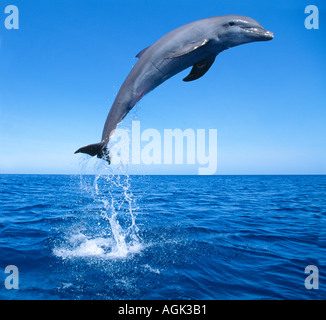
{"type": "Point", "coordinates": [199, 69]}
{"type": "Point", "coordinates": [188, 48]}
{"type": "Point", "coordinates": [141, 52]}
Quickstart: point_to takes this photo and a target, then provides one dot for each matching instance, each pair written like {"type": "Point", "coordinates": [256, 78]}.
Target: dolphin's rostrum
{"type": "Point", "coordinates": [196, 44]}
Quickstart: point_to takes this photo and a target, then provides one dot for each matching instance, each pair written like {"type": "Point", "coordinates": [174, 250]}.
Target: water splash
{"type": "Point", "coordinates": [120, 211]}
{"type": "Point", "coordinates": [112, 206]}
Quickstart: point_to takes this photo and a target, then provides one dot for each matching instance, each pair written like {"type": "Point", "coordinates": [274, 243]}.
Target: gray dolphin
{"type": "Point", "coordinates": [195, 44]}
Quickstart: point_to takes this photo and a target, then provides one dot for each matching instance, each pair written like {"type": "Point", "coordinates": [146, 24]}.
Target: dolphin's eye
{"type": "Point", "coordinates": [231, 23]}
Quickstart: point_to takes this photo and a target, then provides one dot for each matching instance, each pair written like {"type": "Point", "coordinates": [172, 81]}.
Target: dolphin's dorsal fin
{"type": "Point", "coordinates": [141, 52]}
{"type": "Point", "coordinates": [199, 69]}
{"type": "Point", "coordinates": [188, 48]}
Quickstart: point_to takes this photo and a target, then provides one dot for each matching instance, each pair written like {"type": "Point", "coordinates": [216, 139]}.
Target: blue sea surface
{"type": "Point", "coordinates": [162, 237]}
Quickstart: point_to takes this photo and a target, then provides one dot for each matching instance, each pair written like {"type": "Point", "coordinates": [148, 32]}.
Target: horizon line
{"type": "Point", "coordinates": [172, 174]}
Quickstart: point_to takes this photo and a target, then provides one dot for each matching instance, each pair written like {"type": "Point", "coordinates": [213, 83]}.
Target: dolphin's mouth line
{"type": "Point", "coordinates": [258, 31]}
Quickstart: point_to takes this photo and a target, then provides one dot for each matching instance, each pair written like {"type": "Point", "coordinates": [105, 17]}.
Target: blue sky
{"type": "Point", "coordinates": [62, 69]}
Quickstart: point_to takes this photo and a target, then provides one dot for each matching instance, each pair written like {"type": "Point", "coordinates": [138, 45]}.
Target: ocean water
{"type": "Point", "coordinates": [162, 237]}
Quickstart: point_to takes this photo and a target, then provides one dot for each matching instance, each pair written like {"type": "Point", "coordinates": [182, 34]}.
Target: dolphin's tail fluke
{"type": "Point", "coordinates": [96, 149]}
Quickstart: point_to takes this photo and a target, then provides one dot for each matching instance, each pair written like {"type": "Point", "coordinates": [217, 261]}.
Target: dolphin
{"type": "Point", "coordinates": [195, 44]}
